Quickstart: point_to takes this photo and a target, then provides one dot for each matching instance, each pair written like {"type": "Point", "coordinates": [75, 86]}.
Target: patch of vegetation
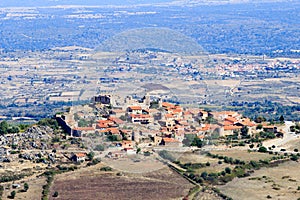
{"type": "Point", "coordinates": [13, 177]}
{"type": "Point", "coordinates": [166, 155]}
{"type": "Point", "coordinates": [106, 169]}
{"type": "Point", "coordinates": [262, 149]}
{"type": "Point", "coordinates": [55, 194]}
{"type": "Point", "coordinates": [94, 162]}
{"type": "Point", "coordinates": [99, 147]}
{"type": "Point", "coordinates": [12, 194]}
{"type": "Point", "coordinates": [191, 166]}
{"type": "Point", "coordinates": [66, 168]}
{"type": "Point", "coordinates": [113, 138]}
{"type": "Point", "coordinates": [84, 123]}
{"type": "Point", "coordinates": [46, 187]}
{"type": "Point", "coordinates": [192, 140]}
{"type": "Point", "coordinates": [267, 135]}
{"type": "Point", "coordinates": [52, 123]}
{"type": "Point", "coordinates": [26, 187]}
{"type": "Point", "coordinates": [6, 128]}
{"type": "Point", "coordinates": [1, 191]}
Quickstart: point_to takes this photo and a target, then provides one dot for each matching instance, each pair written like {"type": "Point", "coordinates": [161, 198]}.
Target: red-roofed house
{"type": "Point", "coordinates": [135, 110]}
{"type": "Point", "coordinates": [140, 118]}
{"type": "Point", "coordinates": [78, 157]}
{"type": "Point", "coordinates": [116, 120]}
{"type": "Point", "coordinates": [171, 142]}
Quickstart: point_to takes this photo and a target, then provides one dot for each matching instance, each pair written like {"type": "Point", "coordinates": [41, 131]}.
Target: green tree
{"type": "Point", "coordinates": [23, 127]}
{"type": "Point", "coordinates": [211, 120]}
{"type": "Point", "coordinates": [13, 194]}
{"type": "Point", "coordinates": [260, 119]}
{"type": "Point", "coordinates": [26, 187]}
{"type": "Point", "coordinates": [204, 175]}
{"type": "Point", "coordinates": [13, 129]}
{"type": "Point", "coordinates": [197, 142]}
{"type": "Point", "coordinates": [262, 149]}
{"type": "Point", "coordinates": [91, 155]}
{"type": "Point", "coordinates": [112, 138]}
{"type": "Point", "coordinates": [281, 119]}
{"type": "Point", "coordinates": [3, 127]}
{"type": "Point", "coordinates": [192, 140]}
{"type": "Point", "coordinates": [294, 157]}
{"type": "Point", "coordinates": [228, 170]}
{"type": "Point", "coordinates": [244, 131]}
{"type": "Point", "coordinates": [188, 139]}
{"type": "Point", "coordinates": [55, 139]}
{"type": "Point", "coordinates": [49, 122]}
{"type": "Point", "coordinates": [259, 126]}
{"type": "Point", "coordinates": [297, 126]}
{"type": "Point", "coordinates": [55, 194]}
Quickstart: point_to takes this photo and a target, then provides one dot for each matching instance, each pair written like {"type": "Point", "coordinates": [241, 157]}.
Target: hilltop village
{"type": "Point", "coordinates": [110, 126]}
{"type": "Point", "coordinates": [150, 122]}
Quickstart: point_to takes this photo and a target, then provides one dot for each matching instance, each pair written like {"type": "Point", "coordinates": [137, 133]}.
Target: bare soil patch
{"type": "Point", "coordinates": [91, 183]}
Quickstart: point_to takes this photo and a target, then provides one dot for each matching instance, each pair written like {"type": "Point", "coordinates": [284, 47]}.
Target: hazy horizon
{"type": "Point", "coordinates": [33, 3]}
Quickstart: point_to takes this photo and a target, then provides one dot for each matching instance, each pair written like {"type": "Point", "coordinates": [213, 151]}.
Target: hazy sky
{"type": "Point", "coordinates": [26, 3]}
{"type": "Point", "coordinates": [5, 3]}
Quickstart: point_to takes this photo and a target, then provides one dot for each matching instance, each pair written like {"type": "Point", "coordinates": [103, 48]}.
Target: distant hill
{"type": "Point", "coordinates": [160, 39]}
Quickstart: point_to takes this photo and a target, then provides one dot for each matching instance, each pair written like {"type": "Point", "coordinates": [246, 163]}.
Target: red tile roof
{"type": "Point", "coordinates": [169, 140]}
{"type": "Point", "coordinates": [231, 119]}
{"type": "Point", "coordinates": [232, 127]}
{"type": "Point", "coordinates": [135, 107]}
{"type": "Point", "coordinates": [206, 127]}
{"type": "Point", "coordinates": [114, 131]}
{"type": "Point", "coordinates": [247, 122]}
{"type": "Point", "coordinates": [167, 104]}
{"type": "Point", "coordinates": [80, 155]}
{"type": "Point", "coordinates": [140, 116]}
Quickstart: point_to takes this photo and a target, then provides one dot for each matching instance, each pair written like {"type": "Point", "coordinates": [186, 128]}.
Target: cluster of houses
{"type": "Point", "coordinates": [134, 123]}
{"type": "Point", "coordinates": [150, 122]}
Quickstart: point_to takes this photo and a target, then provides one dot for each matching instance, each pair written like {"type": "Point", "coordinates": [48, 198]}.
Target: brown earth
{"type": "Point", "coordinates": [91, 183]}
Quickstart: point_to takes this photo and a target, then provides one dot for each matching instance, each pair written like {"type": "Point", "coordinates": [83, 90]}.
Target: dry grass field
{"type": "Point", "coordinates": [199, 158]}
{"type": "Point", "coordinates": [91, 183]}
{"type": "Point", "coordinates": [244, 155]}
{"type": "Point", "coordinates": [34, 191]}
{"type": "Point", "coordinates": [280, 182]}
{"type": "Point", "coordinates": [294, 144]}
{"type": "Point", "coordinates": [135, 164]}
